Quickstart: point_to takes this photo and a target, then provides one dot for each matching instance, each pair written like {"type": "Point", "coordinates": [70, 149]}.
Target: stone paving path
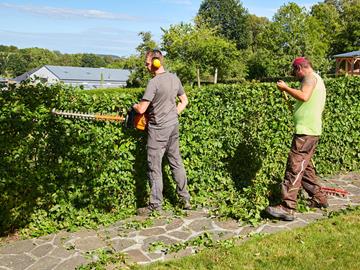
{"type": "Point", "coordinates": [66, 251]}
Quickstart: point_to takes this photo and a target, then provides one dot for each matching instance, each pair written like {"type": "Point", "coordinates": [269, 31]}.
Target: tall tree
{"type": "Point", "coordinates": [349, 38]}
{"type": "Point", "coordinates": [198, 48]}
{"type": "Point", "coordinates": [256, 26]}
{"type": "Point", "coordinates": [230, 17]}
{"type": "Point", "coordinates": [328, 18]}
{"type": "Point", "coordinates": [293, 33]}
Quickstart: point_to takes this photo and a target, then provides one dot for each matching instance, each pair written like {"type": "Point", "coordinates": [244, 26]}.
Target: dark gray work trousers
{"type": "Point", "coordinates": [162, 142]}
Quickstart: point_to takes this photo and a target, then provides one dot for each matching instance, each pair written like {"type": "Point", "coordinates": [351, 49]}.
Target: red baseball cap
{"type": "Point", "coordinates": [298, 61]}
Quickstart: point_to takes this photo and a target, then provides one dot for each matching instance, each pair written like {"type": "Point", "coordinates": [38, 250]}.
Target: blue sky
{"type": "Point", "coordinates": [103, 27]}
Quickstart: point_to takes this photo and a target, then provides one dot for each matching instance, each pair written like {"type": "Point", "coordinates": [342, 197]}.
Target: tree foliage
{"type": "Point", "coordinates": [15, 61]}
{"type": "Point", "coordinates": [292, 33]}
{"type": "Point", "coordinates": [230, 17]}
{"type": "Point", "coordinates": [198, 47]}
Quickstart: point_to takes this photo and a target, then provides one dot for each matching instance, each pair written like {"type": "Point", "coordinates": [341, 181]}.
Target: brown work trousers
{"type": "Point", "coordinates": [300, 171]}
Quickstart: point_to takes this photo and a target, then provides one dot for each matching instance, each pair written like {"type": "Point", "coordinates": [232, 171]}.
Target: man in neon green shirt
{"type": "Point", "coordinates": [307, 117]}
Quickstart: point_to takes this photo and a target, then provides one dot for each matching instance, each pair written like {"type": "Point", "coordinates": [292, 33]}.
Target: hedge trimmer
{"type": "Point", "coordinates": [132, 119]}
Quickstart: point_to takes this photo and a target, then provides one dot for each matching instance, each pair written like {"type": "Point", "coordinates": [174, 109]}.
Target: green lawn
{"type": "Point", "coordinates": [333, 243]}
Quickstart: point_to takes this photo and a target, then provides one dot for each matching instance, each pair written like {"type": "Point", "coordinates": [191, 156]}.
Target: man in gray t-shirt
{"type": "Point", "coordinates": [159, 102]}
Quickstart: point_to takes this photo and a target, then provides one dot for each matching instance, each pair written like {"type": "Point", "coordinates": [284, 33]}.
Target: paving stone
{"type": "Point", "coordinates": [89, 243]}
{"type": "Point", "coordinates": [278, 222]}
{"type": "Point", "coordinates": [121, 244]}
{"type": "Point", "coordinates": [356, 183]}
{"type": "Point", "coordinates": [161, 222]}
{"type": "Point", "coordinates": [47, 238]}
{"type": "Point", "coordinates": [110, 233]}
{"type": "Point", "coordinates": [201, 225]}
{"type": "Point", "coordinates": [61, 238]}
{"type": "Point", "coordinates": [85, 233]}
{"type": "Point", "coordinates": [72, 263]}
{"type": "Point", "coordinates": [221, 235]}
{"type": "Point", "coordinates": [337, 200]}
{"type": "Point", "coordinates": [154, 256]}
{"type": "Point", "coordinates": [247, 230]}
{"type": "Point", "coordinates": [336, 207]}
{"type": "Point", "coordinates": [164, 239]}
{"type": "Point", "coordinates": [352, 189]}
{"type": "Point", "coordinates": [45, 263]}
{"type": "Point", "coordinates": [355, 199]}
{"type": "Point", "coordinates": [337, 183]}
{"type": "Point", "coordinates": [196, 214]}
{"type": "Point", "coordinates": [228, 224]}
{"type": "Point", "coordinates": [174, 224]}
{"type": "Point", "coordinates": [61, 253]}
{"type": "Point", "coordinates": [137, 256]}
{"type": "Point", "coordinates": [18, 247]}
{"type": "Point", "coordinates": [42, 250]}
{"type": "Point", "coordinates": [152, 231]}
{"type": "Point", "coordinates": [181, 235]}
{"type": "Point", "coordinates": [16, 262]}
{"type": "Point", "coordinates": [351, 176]}
{"type": "Point", "coordinates": [311, 216]}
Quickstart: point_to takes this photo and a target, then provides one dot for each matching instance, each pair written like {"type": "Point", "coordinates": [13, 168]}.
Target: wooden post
{"type": "Point", "coordinates": [215, 76]}
{"type": "Point", "coordinates": [198, 77]}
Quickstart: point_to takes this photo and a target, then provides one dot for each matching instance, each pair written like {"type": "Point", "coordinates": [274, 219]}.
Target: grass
{"type": "Point", "coordinates": [333, 243]}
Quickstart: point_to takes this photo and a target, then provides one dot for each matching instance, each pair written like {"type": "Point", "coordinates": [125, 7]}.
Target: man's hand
{"type": "Point", "coordinates": [182, 104]}
{"type": "Point", "coordinates": [141, 107]}
{"type": "Point", "coordinates": [282, 86]}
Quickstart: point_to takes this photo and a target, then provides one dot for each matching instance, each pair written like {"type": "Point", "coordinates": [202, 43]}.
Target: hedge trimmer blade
{"type": "Point", "coordinates": [335, 191]}
{"type": "Point", "coordinates": [88, 116]}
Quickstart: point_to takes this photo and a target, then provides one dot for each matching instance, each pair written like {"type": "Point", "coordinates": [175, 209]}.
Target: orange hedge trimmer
{"type": "Point", "coordinates": [132, 119]}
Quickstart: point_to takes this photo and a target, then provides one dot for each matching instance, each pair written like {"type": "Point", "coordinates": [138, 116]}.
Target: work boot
{"type": "Point", "coordinates": [185, 204]}
{"type": "Point", "coordinates": [281, 212]}
{"type": "Point", "coordinates": [148, 210]}
{"type": "Point", "coordinates": [318, 203]}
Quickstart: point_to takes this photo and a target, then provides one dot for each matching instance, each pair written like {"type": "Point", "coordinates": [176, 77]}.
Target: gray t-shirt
{"type": "Point", "coordinates": [162, 91]}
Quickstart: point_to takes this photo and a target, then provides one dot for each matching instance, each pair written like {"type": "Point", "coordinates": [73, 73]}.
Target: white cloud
{"type": "Point", "coordinates": [70, 13]}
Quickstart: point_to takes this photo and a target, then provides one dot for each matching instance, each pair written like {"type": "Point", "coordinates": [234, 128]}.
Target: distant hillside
{"type": "Point", "coordinates": [15, 61]}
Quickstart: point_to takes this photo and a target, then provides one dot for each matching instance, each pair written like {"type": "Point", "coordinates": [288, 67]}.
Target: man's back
{"type": "Point", "coordinates": [162, 91]}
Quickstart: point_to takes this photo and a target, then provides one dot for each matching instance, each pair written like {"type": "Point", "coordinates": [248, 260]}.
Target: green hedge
{"type": "Point", "coordinates": [60, 173]}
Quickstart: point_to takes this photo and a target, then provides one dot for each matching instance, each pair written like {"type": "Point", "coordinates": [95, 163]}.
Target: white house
{"type": "Point", "coordinates": [88, 78]}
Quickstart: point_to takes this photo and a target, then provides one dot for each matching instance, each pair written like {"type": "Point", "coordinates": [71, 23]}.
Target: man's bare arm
{"type": "Point", "coordinates": [142, 106]}
{"type": "Point", "coordinates": [182, 104]}
{"type": "Point", "coordinates": [303, 94]}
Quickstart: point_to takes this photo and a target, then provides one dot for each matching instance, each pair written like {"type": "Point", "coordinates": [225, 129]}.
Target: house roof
{"type": "Point", "coordinates": [89, 74]}
{"type": "Point", "coordinates": [24, 76]}
{"type": "Point", "coordinates": [348, 54]}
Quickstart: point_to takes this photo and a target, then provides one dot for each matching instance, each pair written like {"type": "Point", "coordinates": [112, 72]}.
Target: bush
{"type": "Point", "coordinates": [62, 173]}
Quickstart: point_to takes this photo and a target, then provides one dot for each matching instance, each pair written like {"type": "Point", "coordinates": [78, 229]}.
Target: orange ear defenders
{"type": "Point", "coordinates": [156, 59]}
